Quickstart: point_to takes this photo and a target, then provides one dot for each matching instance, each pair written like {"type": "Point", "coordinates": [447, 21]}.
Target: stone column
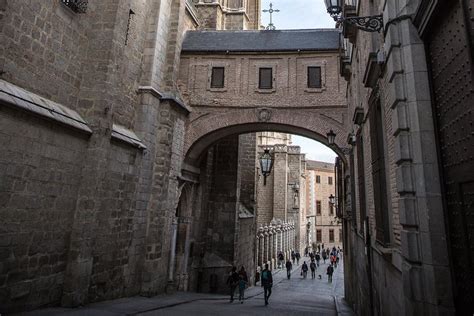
{"type": "Point", "coordinates": [265, 254]}
{"type": "Point", "coordinates": [170, 287]}
{"type": "Point", "coordinates": [275, 241]}
{"type": "Point", "coordinates": [270, 246]}
{"type": "Point", "coordinates": [262, 246]}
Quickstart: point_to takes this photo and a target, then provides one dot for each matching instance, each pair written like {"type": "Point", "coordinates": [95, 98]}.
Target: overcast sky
{"type": "Point", "coordinates": [302, 14]}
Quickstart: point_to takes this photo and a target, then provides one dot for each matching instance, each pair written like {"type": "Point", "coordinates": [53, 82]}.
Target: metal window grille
{"type": "Point", "coordinates": [265, 78]}
{"type": "Point", "coordinates": [78, 6]}
{"type": "Point", "coordinates": [314, 77]}
{"type": "Point", "coordinates": [217, 77]}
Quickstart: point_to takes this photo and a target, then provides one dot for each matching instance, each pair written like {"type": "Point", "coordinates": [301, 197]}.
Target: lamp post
{"type": "Point", "coordinates": [266, 164]}
{"type": "Point", "coordinates": [373, 23]}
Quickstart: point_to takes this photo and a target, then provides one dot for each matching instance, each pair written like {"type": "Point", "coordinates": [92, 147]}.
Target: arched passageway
{"type": "Point", "coordinates": [221, 167]}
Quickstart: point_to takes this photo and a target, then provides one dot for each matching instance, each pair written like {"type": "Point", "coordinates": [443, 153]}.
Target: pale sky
{"type": "Point", "coordinates": [302, 14]}
{"type": "Point", "coordinates": [298, 14]}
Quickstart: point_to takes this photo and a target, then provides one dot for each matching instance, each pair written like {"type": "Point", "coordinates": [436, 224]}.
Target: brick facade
{"type": "Point", "coordinates": [320, 184]}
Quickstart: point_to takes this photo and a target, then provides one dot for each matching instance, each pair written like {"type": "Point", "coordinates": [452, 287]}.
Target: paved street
{"type": "Point", "coordinates": [290, 297]}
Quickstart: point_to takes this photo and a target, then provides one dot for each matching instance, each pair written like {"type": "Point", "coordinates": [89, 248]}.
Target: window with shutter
{"type": "Point", "coordinates": [314, 77]}
{"type": "Point", "coordinates": [319, 237]}
{"type": "Point", "coordinates": [265, 80]}
{"type": "Point", "coordinates": [330, 180]}
{"type": "Point", "coordinates": [217, 77]}
{"type": "Point", "coordinates": [318, 207]}
{"type": "Point", "coordinates": [318, 179]}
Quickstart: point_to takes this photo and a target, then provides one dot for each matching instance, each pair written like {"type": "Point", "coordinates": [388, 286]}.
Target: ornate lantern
{"type": "Point", "coordinates": [266, 164]}
{"type": "Point", "coordinates": [331, 137]}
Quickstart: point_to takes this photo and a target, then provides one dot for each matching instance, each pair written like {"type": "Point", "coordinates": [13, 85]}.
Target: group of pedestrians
{"type": "Point", "coordinates": [315, 258]}
{"type": "Point", "coordinates": [240, 279]}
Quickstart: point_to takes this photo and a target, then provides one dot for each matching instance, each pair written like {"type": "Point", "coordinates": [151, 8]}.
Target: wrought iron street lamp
{"type": "Point", "coordinates": [373, 23]}
{"type": "Point", "coordinates": [332, 199]}
{"type": "Point", "coordinates": [331, 137]}
{"type": "Point", "coordinates": [266, 164]}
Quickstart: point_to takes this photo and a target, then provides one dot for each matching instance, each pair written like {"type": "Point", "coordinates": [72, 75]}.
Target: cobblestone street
{"type": "Point", "coordinates": [295, 296]}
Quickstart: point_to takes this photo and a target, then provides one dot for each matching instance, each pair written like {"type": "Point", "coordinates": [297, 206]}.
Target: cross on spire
{"type": "Point", "coordinates": [271, 11]}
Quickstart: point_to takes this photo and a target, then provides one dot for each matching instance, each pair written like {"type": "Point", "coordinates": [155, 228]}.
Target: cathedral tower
{"type": "Point", "coordinates": [229, 14]}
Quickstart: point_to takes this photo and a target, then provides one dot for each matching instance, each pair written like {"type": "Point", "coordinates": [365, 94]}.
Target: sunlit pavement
{"type": "Point", "coordinates": [296, 296]}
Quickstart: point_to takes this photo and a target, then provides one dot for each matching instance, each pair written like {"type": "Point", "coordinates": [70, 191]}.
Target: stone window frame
{"type": "Point", "coordinates": [318, 179]}
{"type": "Point", "coordinates": [215, 64]}
{"type": "Point", "coordinates": [320, 239]}
{"type": "Point", "coordinates": [264, 64]}
{"type": "Point", "coordinates": [220, 86]}
{"type": "Point", "coordinates": [330, 181]}
{"type": "Point", "coordinates": [333, 236]}
{"type": "Point", "coordinates": [314, 63]}
{"type": "Point", "coordinates": [319, 208]}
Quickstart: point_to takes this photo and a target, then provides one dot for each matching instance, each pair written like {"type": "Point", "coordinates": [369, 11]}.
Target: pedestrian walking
{"type": "Point", "coordinates": [293, 257]}
{"type": "Point", "coordinates": [324, 256]}
{"type": "Point", "coordinates": [242, 285]}
{"type": "Point", "coordinates": [298, 256]}
{"type": "Point", "coordinates": [243, 273]}
{"type": "Point", "coordinates": [304, 270]}
{"type": "Point", "coordinates": [281, 258]}
{"type": "Point", "coordinates": [312, 266]}
{"type": "Point", "coordinates": [289, 266]}
{"type": "Point", "coordinates": [318, 258]}
{"type": "Point", "coordinates": [267, 283]}
{"type": "Point", "coordinates": [329, 272]}
{"type": "Point", "coordinates": [232, 282]}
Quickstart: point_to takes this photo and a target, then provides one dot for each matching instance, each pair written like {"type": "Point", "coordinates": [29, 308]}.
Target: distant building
{"type": "Point", "coordinates": [324, 227]}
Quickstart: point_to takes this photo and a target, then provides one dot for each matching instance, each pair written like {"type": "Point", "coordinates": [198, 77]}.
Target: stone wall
{"type": "Point", "coordinates": [104, 207]}
{"type": "Point", "coordinates": [391, 69]}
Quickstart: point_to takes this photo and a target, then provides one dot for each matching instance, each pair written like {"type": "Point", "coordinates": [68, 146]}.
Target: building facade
{"type": "Point", "coordinates": [108, 186]}
{"type": "Point", "coordinates": [325, 228]}
{"type": "Point", "coordinates": [409, 162]}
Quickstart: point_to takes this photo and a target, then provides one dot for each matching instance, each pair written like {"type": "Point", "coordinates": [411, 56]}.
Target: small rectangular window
{"type": "Point", "coordinates": [331, 235]}
{"type": "Point", "coordinates": [319, 237]}
{"type": "Point", "coordinates": [314, 77]}
{"type": "Point", "coordinates": [330, 180]}
{"type": "Point", "coordinates": [265, 79]}
{"type": "Point", "coordinates": [331, 209]}
{"type": "Point", "coordinates": [217, 77]}
{"type": "Point", "coordinates": [318, 207]}
{"type": "Point", "coordinates": [318, 179]}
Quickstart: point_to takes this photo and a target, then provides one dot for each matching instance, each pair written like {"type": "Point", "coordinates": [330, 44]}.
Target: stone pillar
{"type": "Point", "coordinates": [257, 249]}
{"type": "Point", "coordinates": [265, 248]}
{"type": "Point", "coordinates": [279, 237]}
{"type": "Point", "coordinates": [170, 287]}
{"type": "Point", "coordinates": [262, 246]}
{"type": "Point", "coordinates": [275, 241]}
{"type": "Point", "coordinates": [270, 247]}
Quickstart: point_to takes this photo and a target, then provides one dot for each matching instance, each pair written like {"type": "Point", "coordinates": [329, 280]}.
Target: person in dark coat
{"type": "Point", "coordinates": [267, 283]}
{"type": "Point", "coordinates": [289, 266]}
{"type": "Point", "coordinates": [232, 282]}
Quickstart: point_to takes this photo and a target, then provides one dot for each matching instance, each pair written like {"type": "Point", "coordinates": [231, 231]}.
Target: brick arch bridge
{"type": "Point", "coordinates": [208, 128]}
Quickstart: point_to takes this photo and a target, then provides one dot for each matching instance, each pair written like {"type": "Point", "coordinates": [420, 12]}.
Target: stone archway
{"type": "Point", "coordinates": [205, 129]}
